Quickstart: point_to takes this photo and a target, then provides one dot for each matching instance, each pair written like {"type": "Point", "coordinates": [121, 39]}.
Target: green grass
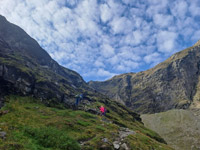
{"type": "Point", "coordinates": [180, 128]}
{"type": "Point", "coordinates": [30, 125]}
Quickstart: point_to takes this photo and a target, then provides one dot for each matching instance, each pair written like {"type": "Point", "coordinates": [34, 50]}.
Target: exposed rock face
{"type": "Point", "coordinates": [27, 69]}
{"type": "Point", "coordinates": [171, 84]}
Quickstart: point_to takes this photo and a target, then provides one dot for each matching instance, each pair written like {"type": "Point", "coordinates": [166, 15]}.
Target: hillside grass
{"type": "Point", "coordinates": [30, 125]}
{"type": "Point", "coordinates": [180, 128]}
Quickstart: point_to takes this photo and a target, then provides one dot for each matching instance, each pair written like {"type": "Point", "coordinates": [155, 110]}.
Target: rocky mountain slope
{"type": "Point", "coordinates": [173, 83]}
{"type": "Point", "coordinates": [27, 69]}
{"type": "Point", "coordinates": [36, 97]}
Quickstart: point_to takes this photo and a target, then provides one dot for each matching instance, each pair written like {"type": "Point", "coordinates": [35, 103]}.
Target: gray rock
{"type": "Point", "coordinates": [124, 147]}
{"type": "Point", "coordinates": [124, 132]}
{"type": "Point", "coordinates": [105, 140]}
{"type": "Point", "coordinates": [116, 144]}
{"type": "Point", "coordinates": [2, 135]}
{"type": "Point", "coordinates": [105, 147]}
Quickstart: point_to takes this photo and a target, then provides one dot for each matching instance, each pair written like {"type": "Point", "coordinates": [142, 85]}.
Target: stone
{"type": "Point", "coordinates": [2, 135]}
{"type": "Point", "coordinates": [105, 147]}
{"type": "Point", "coordinates": [116, 144]}
{"type": "Point", "coordinates": [105, 140]}
{"type": "Point", "coordinates": [124, 147]}
{"type": "Point", "coordinates": [124, 132]}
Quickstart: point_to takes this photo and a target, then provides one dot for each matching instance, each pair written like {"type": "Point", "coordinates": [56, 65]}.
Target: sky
{"type": "Point", "coordinates": [102, 38]}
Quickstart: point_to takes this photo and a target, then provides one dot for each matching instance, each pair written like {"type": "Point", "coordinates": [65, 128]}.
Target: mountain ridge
{"type": "Point", "coordinates": [29, 69]}
{"type": "Point", "coordinates": [170, 84]}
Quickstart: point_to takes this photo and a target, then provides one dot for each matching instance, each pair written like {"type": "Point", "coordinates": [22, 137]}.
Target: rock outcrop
{"type": "Point", "coordinates": [173, 83]}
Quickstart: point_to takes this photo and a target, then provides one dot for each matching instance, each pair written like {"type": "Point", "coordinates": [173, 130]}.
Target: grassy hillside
{"type": "Point", "coordinates": [180, 128]}
{"type": "Point", "coordinates": [30, 125]}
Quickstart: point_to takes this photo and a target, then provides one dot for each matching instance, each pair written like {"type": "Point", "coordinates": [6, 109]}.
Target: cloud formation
{"type": "Point", "coordinates": [99, 38]}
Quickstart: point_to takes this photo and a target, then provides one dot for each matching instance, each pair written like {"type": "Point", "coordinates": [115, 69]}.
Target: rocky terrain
{"type": "Point", "coordinates": [171, 84]}
{"type": "Point", "coordinates": [27, 69]}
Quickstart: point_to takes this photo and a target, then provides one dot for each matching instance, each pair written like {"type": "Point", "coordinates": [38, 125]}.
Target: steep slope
{"type": "Point", "coordinates": [25, 68]}
{"type": "Point", "coordinates": [28, 124]}
{"type": "Point", "coordinates": [180, 128]}
{"type": "Point", "coordinates": [173, 83]}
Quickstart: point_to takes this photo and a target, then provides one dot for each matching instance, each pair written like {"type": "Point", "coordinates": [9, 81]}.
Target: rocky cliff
{"type": "Point", "coordinates": [27, 69]}
{"type": "Point", "coordinates": [173, 83]}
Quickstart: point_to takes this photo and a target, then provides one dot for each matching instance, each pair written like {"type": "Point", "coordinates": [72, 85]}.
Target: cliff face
{"type": "Point", "coordinates": [27, 69]}
{"type": "Point", "coordinates": [173, 83]}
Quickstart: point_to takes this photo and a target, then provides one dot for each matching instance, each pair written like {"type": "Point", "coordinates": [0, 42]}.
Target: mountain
{"type": "Point", "coordinates": [37, 97]}
{"type": "Point", "coordinates": [173, 83]}
{"type": "Point", "coordinates": [27, 69]}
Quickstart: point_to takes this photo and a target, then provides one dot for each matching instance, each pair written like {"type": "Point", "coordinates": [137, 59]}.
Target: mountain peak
{"type": "Point", "coordinates": [2, 17]}
{"type": "Point", "coordinates": [197, 43]}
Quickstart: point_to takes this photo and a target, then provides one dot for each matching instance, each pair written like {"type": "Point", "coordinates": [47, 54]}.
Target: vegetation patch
{"type": "Point", "coordinates": [30, 125]}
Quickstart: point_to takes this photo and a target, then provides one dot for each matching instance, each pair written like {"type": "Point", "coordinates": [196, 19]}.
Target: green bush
{"type": "Point", "coordinates": [50, 137]}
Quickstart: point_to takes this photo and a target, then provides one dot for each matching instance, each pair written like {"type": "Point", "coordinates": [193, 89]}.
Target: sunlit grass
{"type": "Point", "coordinates": [30, 125]}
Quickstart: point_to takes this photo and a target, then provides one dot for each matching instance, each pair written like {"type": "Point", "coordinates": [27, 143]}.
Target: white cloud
{"type": "Point", "coordinates": [114, 60]}
{"type": "Point", "coordinates": [127, 1]}
{"type": "Point", "coordinates": [137, 35]}
{"type": "Point", "coordinates": [106, 13]}
{"type": "Point", "coordinates": [121, 68]}
{"type": "Point", "coordinates": [179, 9]}
{"type": "Point", "coordinates": [102, 38]}
{"type": "Point", "coordinates": [152, 58]}
{"type": "Point", "coordinates": [196, 36]}
{"type": "Point", "coordinates": [194, 8]}
{"type": "Point", "coordinates": [99, 63]}
{"type": "Point", "coordinates": [156, 7]}
{"type": "Point", "coordinates": [103, 73]}
{"type": "Point", "coordinates": [131, 64]}
{"type": "Point", "coordinates": [107, 50]}
{"type": "Point", "coordinates": [121, 25]}
{"type": "Point", "coordinates": [166, 41]}
{"type": "Point", "coordinates": [163, 20]}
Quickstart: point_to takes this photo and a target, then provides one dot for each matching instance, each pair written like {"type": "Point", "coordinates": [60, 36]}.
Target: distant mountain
{"type": "Point", "coordinates": [173, 83]}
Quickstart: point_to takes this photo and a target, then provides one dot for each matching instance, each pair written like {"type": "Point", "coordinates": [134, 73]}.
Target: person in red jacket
{"type": "Point", "coordinates": [102, 110]}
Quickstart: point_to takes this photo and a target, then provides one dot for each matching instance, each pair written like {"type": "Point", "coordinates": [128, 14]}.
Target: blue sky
{"type": "Point", "coordinates": [103, 38]}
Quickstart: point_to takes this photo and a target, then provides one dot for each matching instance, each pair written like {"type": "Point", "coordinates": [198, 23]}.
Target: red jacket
{"type": "Point", "coordinates": [102, 109]}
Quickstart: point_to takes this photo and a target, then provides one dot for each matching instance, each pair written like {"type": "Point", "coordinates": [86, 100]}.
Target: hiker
{"type": "Point", "coordinates": [102, 110]}
{"type": "Point", "coordinates": [78, 99]}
